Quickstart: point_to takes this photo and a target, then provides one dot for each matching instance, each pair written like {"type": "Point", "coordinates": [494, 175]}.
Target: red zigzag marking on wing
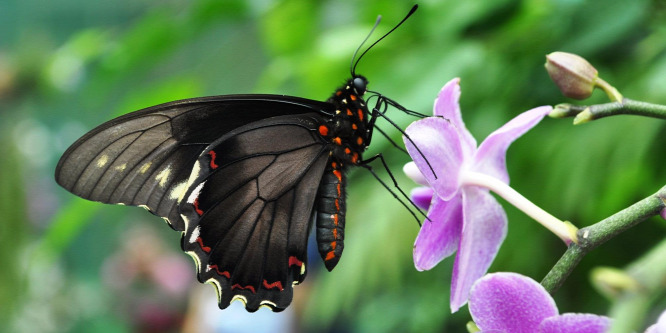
{"type": "Point", "coordinates": [250, 288]}
{"type": "Point", "coordinates": [276, 284]}
{"type": "Point", "coordinates": [203, 247]}
{"type": "Point", "coordinates": [225, 273]}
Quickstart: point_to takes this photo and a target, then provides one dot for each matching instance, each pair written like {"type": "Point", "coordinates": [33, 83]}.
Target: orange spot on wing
{"type": "Point", "coordinates": [359, 141]}
{"type": "Point", "coordinates": [337, 141]}
{"type": "Point", "coordinates": [360, 114]}
{"type": "Point", "coordinates": [338, 93]}
{"type": "Point", "coordinates": [347, 151]}
{"type": "Point", "coordinates": [276, 284]}
{"type": "Point", "coordinates": [353, 97]}
{"type": "Point", "coordinates": [225, 273]}
{"type": "Point", "coordinates": [323, 130]}
{"type": "Point", "coordinates": [203, 247]}
{"type": "Point", "coordinates": [349, 113]}
{"type": "Point", "coordinates": [238, 286]}
{"type": "Point", "coordinates": [212, 159]}
{"type": "Point", "coordinates": [196, 207]}
{"type": "Point", "coordinates": [354, 127]}
{"type": "Point", "coordinates": [355, 158]}
{"type": "Point", "coordinates": [294, 261]}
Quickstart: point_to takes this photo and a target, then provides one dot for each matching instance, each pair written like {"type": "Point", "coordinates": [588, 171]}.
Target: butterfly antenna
{"type": "Point", "coordinates": [352, 66]}
{"type": "Point", "coordinates": [353, 69]}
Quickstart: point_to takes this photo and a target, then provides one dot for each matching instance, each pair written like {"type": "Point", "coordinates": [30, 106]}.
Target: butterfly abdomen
{"type": "Point", "coordinates": [347, 135]}
{"type": "Point", "coordinates": [331, 210]}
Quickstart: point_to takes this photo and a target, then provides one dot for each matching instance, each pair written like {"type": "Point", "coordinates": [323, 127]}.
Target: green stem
{"type": "Point", "coordinates": [591, 237]}
{"type": "Point", "coordinates": [585, 113]}
{"type": "Point", "coordinates": [612, 93]}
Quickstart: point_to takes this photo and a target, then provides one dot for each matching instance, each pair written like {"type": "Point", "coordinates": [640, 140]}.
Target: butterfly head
{"type": "Point", "coordinates": [359, 83]}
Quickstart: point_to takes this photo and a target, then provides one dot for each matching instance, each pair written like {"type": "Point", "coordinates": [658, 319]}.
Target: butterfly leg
{"type": "Point", "coordinates": [365, 164]}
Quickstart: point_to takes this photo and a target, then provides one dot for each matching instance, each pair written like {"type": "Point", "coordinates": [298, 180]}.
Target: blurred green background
{"type": "Point", "coordinates": [68, 265]}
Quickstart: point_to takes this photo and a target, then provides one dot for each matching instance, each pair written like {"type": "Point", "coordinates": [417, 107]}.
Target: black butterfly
{"type": "Point", "coordinates": [241, 176]}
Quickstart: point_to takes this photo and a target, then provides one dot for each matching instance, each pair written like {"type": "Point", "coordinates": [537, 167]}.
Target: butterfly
{"type": "Point", "coordinates": [243, 177]}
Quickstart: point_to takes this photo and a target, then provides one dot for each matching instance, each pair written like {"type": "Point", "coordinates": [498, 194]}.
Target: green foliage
{"type": "Point", "coordinates": [69, 70]}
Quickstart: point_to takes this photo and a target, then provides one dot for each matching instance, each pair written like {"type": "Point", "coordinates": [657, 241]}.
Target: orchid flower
{"type": "Point", "coordinates": [463, 216]}
{"type": "Point", "coordinates": [513, 303]}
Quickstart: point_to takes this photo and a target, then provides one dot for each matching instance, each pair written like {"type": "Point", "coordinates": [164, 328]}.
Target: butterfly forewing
{"type": "Point", "coordinates": [145, 158]}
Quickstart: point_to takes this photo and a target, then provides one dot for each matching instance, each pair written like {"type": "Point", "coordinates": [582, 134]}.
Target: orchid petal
{"type": "Point", "coordinates": [437, 139]}
{"type": "Point", "coordinates": [447, 105]}
{"type": "Point", "coordinates": [510, 302]}
{"type": "Point", "coordinates": [575, 322]}
{"type": "Point", "coordinates": [422, 196]}
{"type": "Point", "coordinates": [484, 229]}
{"type": "Point", "coordinates": [440, 234]}
{"type": "Point", "coordinates": [412, 171]}
{"type": "Point", "coordinates": [491, 156]}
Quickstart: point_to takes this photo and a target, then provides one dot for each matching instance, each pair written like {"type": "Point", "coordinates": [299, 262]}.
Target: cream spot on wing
{"type": "Point", "coordinates": [195, 234]}
{"type": "Point", "coordinates": [102, 160]}
{"type": "Point", "coordinates": [218, 288]}
{"type": "Point", "coordinates": [240, 298]}
{"type": "Point", "coordinates": [163, 176]}
{"type": "Point", "coordinates": [177, 191]}
{"type": "Point", "coordinates": [268, 304]}
{"type": "Point", "coordinates": [195, 194]}
{"type": "Point", "coordinates": [121, 167]}
{"type": "Point", "coordinates": [193, 176]}
{"type": "Point", "coordinates": [145, 167]}
{"type": "Point", "coordinates": [186, 220]}
{"type": "Point", "coordinates": [195, 257]}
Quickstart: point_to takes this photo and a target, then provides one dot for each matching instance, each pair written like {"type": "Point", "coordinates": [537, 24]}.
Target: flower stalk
{"type": "Point", "coordinates": [591, 237]}
{"type": "Point", "coordinates": [563, 229]}
{"type": "Point", "coordinates": [584, 113]}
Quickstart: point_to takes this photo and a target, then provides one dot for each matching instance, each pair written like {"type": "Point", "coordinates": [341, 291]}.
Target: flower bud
{"type": "Point", "coordinates": [612, 282]}
{"type": "Point", "coordinates": [575, 77]}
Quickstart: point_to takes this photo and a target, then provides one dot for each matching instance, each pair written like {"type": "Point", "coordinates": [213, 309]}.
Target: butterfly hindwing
{"type": "Point", "coordinates": [145, 158]}
{"type": "Point", "coordinates": [249, 206]}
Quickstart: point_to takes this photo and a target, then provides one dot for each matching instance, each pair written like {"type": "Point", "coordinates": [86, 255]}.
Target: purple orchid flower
{"type": "Point", "coordinates": [463, 216]}
{"type": "Point", "coordinates": [513, 303]}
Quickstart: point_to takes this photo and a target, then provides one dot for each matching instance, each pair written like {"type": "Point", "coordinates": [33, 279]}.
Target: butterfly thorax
{"type": "Point", "coordinates": [347, 130]}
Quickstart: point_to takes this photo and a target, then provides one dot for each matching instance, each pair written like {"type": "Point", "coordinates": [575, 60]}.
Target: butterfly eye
{"type": "Point", "coordinates": [359, 85]}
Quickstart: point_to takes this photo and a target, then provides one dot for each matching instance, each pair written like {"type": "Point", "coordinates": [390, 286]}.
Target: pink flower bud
{"type": "Point", "coordinates": [575, 77]}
